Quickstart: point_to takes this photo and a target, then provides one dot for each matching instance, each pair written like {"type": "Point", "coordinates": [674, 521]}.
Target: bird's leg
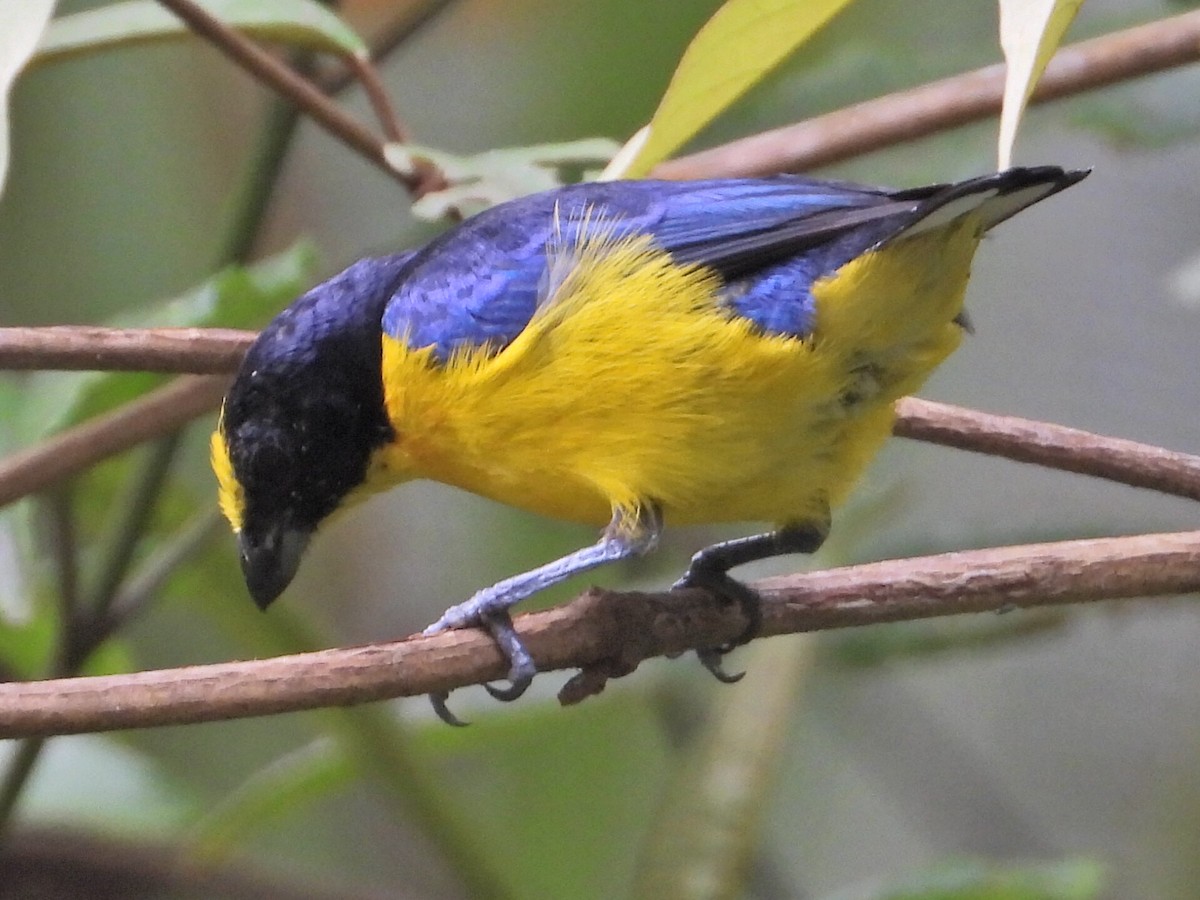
{"type": "Point", "coordinates": [710, 569]}
{"type": "Point", "coordinates": [630, 533]}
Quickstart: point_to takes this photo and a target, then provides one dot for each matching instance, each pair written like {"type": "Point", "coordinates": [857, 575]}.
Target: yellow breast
{"type": "Point", "coordinates": [633, 384]}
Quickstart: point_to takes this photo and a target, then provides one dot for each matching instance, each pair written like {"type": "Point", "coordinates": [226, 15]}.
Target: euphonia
{"type": "Point", "coordinates": [628, 354]}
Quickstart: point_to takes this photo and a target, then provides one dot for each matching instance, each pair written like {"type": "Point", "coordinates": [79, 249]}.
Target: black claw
{"type": "Point", "coordinates": [732, 590]}
{"type": "Point", "coordinates": [516, 687]}
{"type": "Point", "coordinates": [712, 659]}
{"type": "Point", "coordinates": [521, 665]}
{"type": "Point", "coordinates": [710, 570]}
{"type": "Point", "coordinates": [438, 702]}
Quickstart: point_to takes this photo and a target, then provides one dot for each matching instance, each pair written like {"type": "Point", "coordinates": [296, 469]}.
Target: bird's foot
{"type": "Point", "coordinates": [489, 612]}
{"type": "Point", "coordinates": [732, 591]}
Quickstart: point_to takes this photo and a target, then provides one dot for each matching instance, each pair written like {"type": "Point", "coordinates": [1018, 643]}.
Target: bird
{"type": "Point", "coordinates": [630, 354]}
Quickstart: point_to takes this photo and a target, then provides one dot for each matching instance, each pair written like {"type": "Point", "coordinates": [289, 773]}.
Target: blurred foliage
{"type": "Point", "coordinates": [296, 23]}
{"type": "Point", "coordinates": [238, 297]}
{"type": "Point", "coordinates": [1068, 880]}
{"type": "Point", "coordinates": [124, 168]}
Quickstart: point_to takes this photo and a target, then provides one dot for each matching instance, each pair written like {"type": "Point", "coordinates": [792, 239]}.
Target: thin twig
{"type": "Point", "coordinates": [280, 77]}
{"type": "Point", "coordinates": [17, 773]}
{"type": "Point", "coordinates": [601, 631]}
{"type": "Point", "coordinates": [942, 105]}
{"type": "Point", "coordinates": [137, 504]}
{"type": "Point", "coordinates": [377, 96]}
{"type": "Point", "coordinates": [390, 39]}
{"type": "Point", "coordinates": [152, 415]}
{"type": "Point", "coordinates": [196, 350]}
{"type": "Point", "coordinates": [64, 547]}
{"type": "Point", "coordinates": [258, 183]}
{"type": "Point", "coordinates": [141, 587]}
{"type": "Point", "coordinates": [1051, 446]}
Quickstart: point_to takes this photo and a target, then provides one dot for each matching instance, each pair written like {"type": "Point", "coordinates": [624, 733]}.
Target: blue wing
{"type": "Point", "coordinates": [770, 238]}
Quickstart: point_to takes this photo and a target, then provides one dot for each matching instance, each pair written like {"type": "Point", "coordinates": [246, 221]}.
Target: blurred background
{"type": "Point", "coordinates": [872, 757]}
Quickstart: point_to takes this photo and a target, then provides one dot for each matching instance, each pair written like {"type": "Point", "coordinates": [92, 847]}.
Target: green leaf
{"type": "Point", "coordinates": [236, 298]}
{"type": "Point", "coordinates": [557, 799]}
{"type": "Point", "coordinates": [736, 48]}
{"type": "Point", "coordinates": [1071, 879]}
{"type": "Point", "coordinates": [487, 179]}
{"type": "Point", "coordinates": [298, 23]}
{"type": "Point", "coordinates": [273, 792]}
{"type": "Point", "coordinates": [377, 746]}
{"type": "Point", "coordinates": [27, 642]}
{"type": "Point", "coordinates": [24, 21]}
{"type": "Point", "coordinates": [1030, 33]}
{"type": "Point", "coordinates": [101, 782]}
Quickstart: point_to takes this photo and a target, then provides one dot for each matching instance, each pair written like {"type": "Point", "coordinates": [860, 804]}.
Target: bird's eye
{"type": "Point", "coordinates": [258, 452]}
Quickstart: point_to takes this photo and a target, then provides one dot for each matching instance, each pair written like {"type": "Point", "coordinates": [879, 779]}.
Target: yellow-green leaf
{"type": "Point", "coordinates": [304, 24]}
{"type": "Point", "coordinates": [275, 792]}
{"type": "Point", "coordinates": [741, 43]}
{"type": "Point", "coordinates": [23, 23]}
{"type": "Point", "coordinates": [483, 180]}
{"type": "Point", "coordinates": [1030, 33]}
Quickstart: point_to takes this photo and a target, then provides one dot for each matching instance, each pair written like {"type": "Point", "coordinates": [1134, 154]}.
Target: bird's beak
{"type": "Point", "coordinates": [269, 561]}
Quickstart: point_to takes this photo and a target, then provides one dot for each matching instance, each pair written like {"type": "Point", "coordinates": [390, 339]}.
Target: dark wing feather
{"type": "Point", "coordinates": [770, 238]}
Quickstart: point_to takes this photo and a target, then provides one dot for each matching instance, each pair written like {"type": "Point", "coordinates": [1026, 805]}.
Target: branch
{"type": "Point", "coordinates": [606, 634]}
{"type": "Point", "coordinates": [391, 37]}
{"type": "Point", "coordinates": [201, 351]}
{"type": "Point", "coordinates": [1052, 446]}
{"type": "Point", "coordinates": [941, 105]}
{"type": "Point", "coordinates": [220, 350]}
{"type": "Point", "coordinates": [155, 414]}
{"type": "Point", "coordinates": [280, 77]}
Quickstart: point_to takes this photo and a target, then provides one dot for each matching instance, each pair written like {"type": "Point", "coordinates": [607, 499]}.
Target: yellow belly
{"type": "Point", "coordinates": [633, 385]}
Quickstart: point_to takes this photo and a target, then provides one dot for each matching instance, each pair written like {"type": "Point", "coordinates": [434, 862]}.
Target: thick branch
{"type": "Point", "coordinates": [941, 105]}
{"type": "Point", "coordinates": [607, 633]}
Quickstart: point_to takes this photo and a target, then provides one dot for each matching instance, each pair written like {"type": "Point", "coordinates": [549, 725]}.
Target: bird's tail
{"type": "Point", "coordinates": [994, 197]}
{"type": "Point", "coordinates": [897, 311]}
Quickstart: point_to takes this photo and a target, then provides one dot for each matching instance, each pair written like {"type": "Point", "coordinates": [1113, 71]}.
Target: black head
{"type": "Point", "coordinates": [302, 419]}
